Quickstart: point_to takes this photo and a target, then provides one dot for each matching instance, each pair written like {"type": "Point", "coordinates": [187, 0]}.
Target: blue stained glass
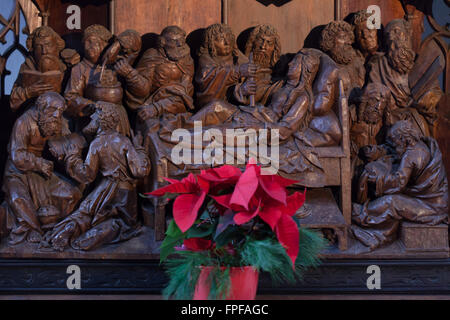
{"type": "Point", "coordinates": [13, 64]}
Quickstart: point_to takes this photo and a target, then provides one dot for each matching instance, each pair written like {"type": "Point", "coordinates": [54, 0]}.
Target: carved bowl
{"type": "Point", "coordinates": [111, 94]}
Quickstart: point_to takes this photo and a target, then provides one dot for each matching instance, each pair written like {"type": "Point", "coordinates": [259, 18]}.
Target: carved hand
{"type": "Point", "coordinates": [147, 112]}
{"type": "Point", "coordinates": [36, 89]}
{"type": "Point", "coordinates": [247, 70]}
{"type": "Point", "coordinates": [122, 67]}
{"type": "Point", "coordinates": [372, 152]}
{"type": "Point", "coordinates": [70, 57]}
{"type": "Point", "coordinates": [46, 168]}
{"type": "Point", "coordinates": [249, 87]}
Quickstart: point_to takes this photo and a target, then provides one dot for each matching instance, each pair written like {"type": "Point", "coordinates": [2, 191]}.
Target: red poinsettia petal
{"type": "Point", "coordinates": [178, 187]}
{"type": "Point", "coordinates": [222, 173]}
{"type": "Point", "coordinates": [271, 215]}
{"type": "Point", "coordinates": [294, 202]}
{"type": "Point", "coordinates": [203, 184]}
{"type": "Point", "coordinates": [197, 244]}
{"type": "Point", "coordinates": [272, 188]}
{"type": "Point", "coordinates": [284, 182]}
{"type": "Point", "coordinates": [185, 209]}
{"type": "Point", "coordinates": [245, 187]}
{"type": "Point", "coordinates": [190, 179]}
{"type": "Point", "coordinates": [288, 236]}
{"type": "Point", "coordinates": [171, 180]}
{"type": "Point", "coordinates": [223, 200]}
{"type": "Point", "coordinates": [245, 216]}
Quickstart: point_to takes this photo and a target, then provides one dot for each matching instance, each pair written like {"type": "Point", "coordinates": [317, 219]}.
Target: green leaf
{"type": "Point", "coordinates": [168, 247]}
{"type": "Point", "coordinates": [174, 237]}
{"type": "Point", "coordinates": [200, 232]}
{"type": "Point", "coordinates": [173, 230]}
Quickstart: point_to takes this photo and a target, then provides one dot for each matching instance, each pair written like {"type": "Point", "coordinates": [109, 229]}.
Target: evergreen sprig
{"type": "Point", "coordinates": [265, 255]}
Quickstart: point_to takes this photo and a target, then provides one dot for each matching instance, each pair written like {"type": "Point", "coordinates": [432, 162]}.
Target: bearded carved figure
{"type": "Point", "coordinates": [43, 69]}
{"type": "Point", "coordinates": [393, 68]}
{"type": "Point", "coordinates": [264, 46]}
{"type": "Point", "coordinates": [162, 81]}
{"type": "Point", "coordinates": [368, 119]}
{"type": "Point", "coordinates": [36, 196]}
{"type": "Point", "coordinates": [407, 182]}
{"type": "Point", "coordinates": [338, 63]}
{"type": "Point", "coordinates": [109, 213]}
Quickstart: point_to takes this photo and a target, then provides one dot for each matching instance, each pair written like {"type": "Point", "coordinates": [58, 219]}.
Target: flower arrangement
{"type": "Point", "coordinates": [225, 218]}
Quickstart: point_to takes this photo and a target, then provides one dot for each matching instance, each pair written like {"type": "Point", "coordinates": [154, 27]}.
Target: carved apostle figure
{"type": "Point", "coordinates": [36, 195]}
{"type": "Point", "coordinates": [264, 46]}
{"type": "Point", "coordinates": [339, 63]}
{"type": "Point", "coordinates": [43, 69]}
{"type": "Point", "coordinates": [366, 39]}
{"type": "Point", "coordinates": [367, 120]}
{"type": "Point", "coordinates": [221, 68]}
{"type": "Point", "coordinates": [392, 69]}
{"type": "Point", "coordinates": [91, 81]}
{"type": "Point", "coordinates": [410, 185]}
{"type": "Point", "coordinates": [221, 65]}
{"type": "Point", "coordinates": [162, 81]}
{"type": "Point", "coordinates": [109, 213]}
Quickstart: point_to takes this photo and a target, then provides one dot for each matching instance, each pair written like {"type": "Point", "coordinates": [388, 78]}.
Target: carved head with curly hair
{"type": "Point", "coordinates": [336, 41]}
{"type": "Point", "coordinates": [46, 45]}
{"type": "Point", "coordinates": [265, 44]}
{"type": "Point", "coordinates": [108, 116]}
{"type": "Point", "coordinates": [366, 39]}
{"type": "Point", "coordinates": [398, 43]}
{"type": "Point", "coordinates": [219, 41]}
{"type": "Point", "coordinates": [402, 135]}
{"type": "Point", "coordinates": [95, 39]}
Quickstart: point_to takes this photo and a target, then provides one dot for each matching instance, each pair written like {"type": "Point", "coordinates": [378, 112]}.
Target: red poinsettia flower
{"type": "Point", "coordinates": [265, 196]}
{"type": "Point", "coordinates": [192, 194]}
{"type": "Point", "coordinates": [221, 178]}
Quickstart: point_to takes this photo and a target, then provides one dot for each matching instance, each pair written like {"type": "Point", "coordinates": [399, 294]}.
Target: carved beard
{"type": "Point", "coordinates": [400, 57]}
{"type": "Point", "coordinates": [342, 55]}
{"type": "Point", "coordinates": [50, 127]}
{"type": "Point", "coordinates": [369, 114]}
{"type": "Point", "coordinates": [48, 62]}
{"type": "Point", "coordinates": [177, 53]}
{"type": "Point", "coordinates": [261, 58]}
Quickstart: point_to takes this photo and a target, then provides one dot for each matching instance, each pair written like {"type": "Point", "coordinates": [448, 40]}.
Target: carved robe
{"type": "Point", "coordinates": [215, 79]}
{"type": "Point", "coordinates": [109, 213]}
{"type": "Point", "coordinates": [27, 190]}
{"type": "Point", "coordinates": [380, 71]}
{"type": "Point", "coordinates": [416, 191]}
{"type": "Point", "coordinates": [162, 82]}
